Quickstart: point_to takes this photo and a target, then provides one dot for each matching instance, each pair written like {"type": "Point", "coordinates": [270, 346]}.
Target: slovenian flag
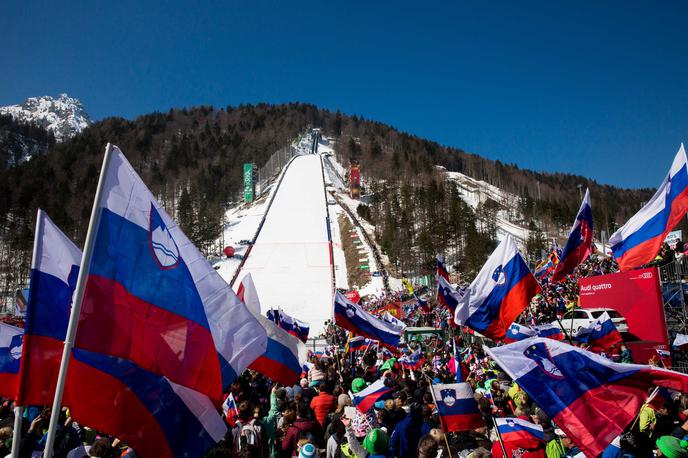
{"type": "Point", "coordinates": [517, 332]}
{"type": "Point", "coordinates": [456, 406]}
{"type": "Point", "coordinates": [638, 241]}
{"type": "Point", "coordinates": [54, 271]}
{"type": "Point", "coordinates": [448, 296]}
{"type": "Point", "coordinates": [394, 321]}
{"type": "Point", "coordinates": [501, 291]}
{"type": "Point", "coordinates": [359, 343]}
{"type": "Point", "coordinates": [285, 354]}
{"type": "Point", "coordinates": [229, 410]}
{"type": "Point", "coordinates": [10, 358]}
{"type": "Point", "coordinates": [354, 319]}
{"type": "Point", "coordinates": [442, 268]}
{"type": "Point", "coordinates": [549, 331]}
{"type": "Point", "coordinates": [520, 433]}
{"type": "Point", "coordinates": [591, 398]}
{"type": "Point", "coordinates": [579, 245]}
{"type": "Point", "coordinates": [297, 328]}
{"type": "Point", "coordinates": [414, 361]}
{"type": "Point", "coordinates": [365, 399]}
{"type": "Point", "coordinates": [600, 333]}
{"type": "Point", "coordinates": [152, 298]}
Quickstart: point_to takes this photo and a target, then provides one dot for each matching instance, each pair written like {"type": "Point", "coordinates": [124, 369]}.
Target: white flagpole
{"type": "Point", "coordinates": [76, 306]}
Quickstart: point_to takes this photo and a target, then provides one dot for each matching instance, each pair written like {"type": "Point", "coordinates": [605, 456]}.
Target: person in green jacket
{"type": "Point", "coordinates": [557, 447]}
{"type": "Point", "coordinates": [270, 420]}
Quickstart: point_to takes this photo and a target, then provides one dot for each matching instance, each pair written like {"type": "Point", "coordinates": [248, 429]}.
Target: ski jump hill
{"type": "Point", "coordinates": [290, 260]}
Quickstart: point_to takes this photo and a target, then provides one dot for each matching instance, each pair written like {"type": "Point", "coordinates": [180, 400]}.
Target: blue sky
{"type": "Point", "coordinates": [589, 87]}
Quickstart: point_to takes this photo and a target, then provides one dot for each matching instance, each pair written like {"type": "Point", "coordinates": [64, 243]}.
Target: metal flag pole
{"type": "Point", "coordinates": [76, 307]}
{"type": "Point", "coordinates": [19, 410]}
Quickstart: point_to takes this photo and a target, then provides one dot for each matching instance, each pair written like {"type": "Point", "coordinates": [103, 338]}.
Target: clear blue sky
{"type": "Point", "coordinates": [590, 87]}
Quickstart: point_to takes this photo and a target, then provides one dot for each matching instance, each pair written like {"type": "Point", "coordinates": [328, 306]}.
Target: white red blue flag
{"type": "Point", "coordinates": [10, 359]}
{"type": "Point", "coordinates": [229, 410]}
{"type": "Point", "coordinates": [442, 268]}
{"type": "Point", "coordinates": [284, 354]}
{"type": "Point", "coordinates": [394, 321]}
{"type": "Point", "coordinates": [413, 361]}
{"type": "Point", "coordinates": [448, 296]}
{"type": "Point", "coordinates": [520, 433]}
{"type": "Point", "coordinates": [639, 240]}
{"type": "Point", "coordinates": [365, 399]}
{"type": "Point", "coordinates": [579, 245]}
{"type": "Point", "coordinates": [501, 291]}
{"type": "Point", "coordinates": [360, 343]}
{"type": "Point", "coordinates": [456, 406]}
{"type": "Point", "coordinates": [549, 331]}
{"type": "Point", "coordinates": [600, 333]}
{"type": "Point", "coordinates": [295, 327]}
{"type": "Point", "coordinates": [354, 319]}
{"type": "Point", "coordinates": [518, 332]}
{"type": "Point", "coordinates": [54, 271]}
{"type": "Point", "coordinates": [153, 415]}
{"type": "Point", "coordinates": [589, 397]}
{"type": "Point", "coordinates": [152, 298]}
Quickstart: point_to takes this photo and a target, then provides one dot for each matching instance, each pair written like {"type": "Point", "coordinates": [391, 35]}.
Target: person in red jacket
{"type": "Point", "coordinates": [323, 403]}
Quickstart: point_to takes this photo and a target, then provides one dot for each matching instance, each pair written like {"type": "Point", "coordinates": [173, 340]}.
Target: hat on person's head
{"type": "Point", "coordinates": [358, 384]}
{"type": "Point", "coordinates": [304, 383]}
{"type": "Point", "coordinates": [376, 442]}
{"type": "Point", "coordinates": [308, 451]}
{"type": "Point", "coordinates": [559, 432]}
{"type": "Point", "coordinates": [343, 400]}
{"type": "Point", "coordinates": [672, 447]}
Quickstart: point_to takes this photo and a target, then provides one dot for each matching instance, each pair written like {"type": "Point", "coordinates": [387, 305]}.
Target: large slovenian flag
{"type": "Point", "coordinates": [54, 270]}
{"type": "Point", "coordinates": [351, 317]}
{"type": "Point", "coordinates": [500, 292]}
{"type": "Point", "coordinates": [579, 245]}
{"type": "Point", "coordinates": [153, 415]}
{"type": "Point", "coordinates": [10, 359]}
{"type": "Point", "coordinates": [456, 406]}
{"type": "Point", "coordinates": [589, 397]}
{"type": "Point", "coordinates": [601, 333]}
{"type": "Point", "coordinates": [152, 298]}
{"type": "Point", "coordinates": [521, 432]}
{"type": "Point", "coordinates": [295, 327]}
{"type": "Point", "coordinates": [285, 354]}
{"type": "Point", "coordinates": [517, 332]}
{"type": "Point", "coordinates": [365, 399]}
{"type": "Point", "coordinates": [638, 241]}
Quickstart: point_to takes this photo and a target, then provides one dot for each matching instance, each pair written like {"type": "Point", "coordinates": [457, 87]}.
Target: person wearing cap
{"type": "Point", "coordinates": [559, 446]}
{"type": "Point", "coordinates": [307, 450]}
{"type": "Point", "coordinates": [671, 447]}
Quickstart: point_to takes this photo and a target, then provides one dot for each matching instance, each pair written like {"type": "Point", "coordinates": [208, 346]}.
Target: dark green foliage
{"type": "Point", "coordinates": [536, 241]}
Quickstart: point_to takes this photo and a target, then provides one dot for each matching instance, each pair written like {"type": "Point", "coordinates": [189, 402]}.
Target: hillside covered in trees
{"type": "Point", "coordinates": [192, 160]}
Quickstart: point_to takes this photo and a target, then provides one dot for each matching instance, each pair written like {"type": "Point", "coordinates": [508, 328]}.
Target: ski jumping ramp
{"type": "Point", "coordinates": [290, 260]}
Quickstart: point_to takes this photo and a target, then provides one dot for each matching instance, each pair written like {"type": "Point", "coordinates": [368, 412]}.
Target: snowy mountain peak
{"type": "Point", "coordinates": [64, 116]}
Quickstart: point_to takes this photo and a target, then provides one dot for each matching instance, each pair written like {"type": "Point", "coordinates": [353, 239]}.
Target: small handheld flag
{"type": "Point", "coordinates": [456, 406]}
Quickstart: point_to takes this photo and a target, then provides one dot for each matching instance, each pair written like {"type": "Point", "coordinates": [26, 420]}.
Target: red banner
{"type": "Point", "coordinates": [637, 296]}
{"type": "Point", "coordinates": [353, 296]}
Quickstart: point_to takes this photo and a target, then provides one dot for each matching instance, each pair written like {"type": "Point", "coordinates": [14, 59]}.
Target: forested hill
{"type": "Point", "coordinates": [197, 154]}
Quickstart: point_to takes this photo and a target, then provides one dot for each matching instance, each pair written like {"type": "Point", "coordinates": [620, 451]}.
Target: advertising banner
{"type": "Point", "coordinates": [248, 182]}
{"type": "Point", "coordinates": [637, 296]}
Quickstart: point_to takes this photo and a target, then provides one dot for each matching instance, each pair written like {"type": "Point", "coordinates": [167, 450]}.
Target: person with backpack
{"type": "Point", "coordinates": [247, 430]}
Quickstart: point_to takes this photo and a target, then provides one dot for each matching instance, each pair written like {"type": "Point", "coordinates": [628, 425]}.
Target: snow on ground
{"type": "Point", "coordinates": [290, 261]}
{"type": "Point", "coordinates": [340, 270]}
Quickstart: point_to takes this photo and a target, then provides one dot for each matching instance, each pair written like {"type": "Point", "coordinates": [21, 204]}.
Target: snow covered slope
{"type": "Point", "coordinates": [64, 116]}
{"type": "Point", "coordinates": [290, 261]}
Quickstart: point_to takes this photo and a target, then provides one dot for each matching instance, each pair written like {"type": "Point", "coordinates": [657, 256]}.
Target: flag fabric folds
{"type": "Point", "coordinates": [54, 270]}
{"type": "Point", "coordinates": [394, 321]}
{"type": "Point", "coordinates": [365, 399]}
{"type": "Point", "coordinates": [500, 292]}
{"type": "Point", "coordinates": [518, 332]}
{"type": "Point", "coordinates": [547, 265]}
{"type": "Point", "coordinates": [152, 298]}
{"type": "Point", "coordinates": [680, 342]}
{"type": "Point", "coordinates": [295, 327]}
{"type": "Point", "coordinates": [351, 317]}
{"type": "Point", "coordinates": [589, 397]}
{"type": "Point", "coordinates": [359, 343]}
{"type": "Point", "coordinates": [639, 240]}
{"type": "Point", "coordinates": [448, 296]}
{"type": "Point", "coordinates": [229, 410]}
{"type": "Point", "coordinates": [517, 431]}
{"type": "Point", "coordinates": [550, 331]}
{"type": "Point", "coordinates": [284, 354]}
{"type": "Point", "coordinates": [600, 333]}
{"type": "Point", "coordinates": [579, 245]}
{"type": "Point", "coordinates": [153, 415]}
{"type": "Point", "coordinates": [456, 406]}
{"type": "Point", "coordinates": [414, 361]}
{"type": "Point", "coordinates": [10, 359]}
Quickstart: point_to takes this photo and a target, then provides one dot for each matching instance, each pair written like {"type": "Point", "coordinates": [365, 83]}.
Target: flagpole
{"type": "Point", "coordinates": [434, 400]}
{"type": "Point", "coordinates": [499, 436]}
{"type": "Point", "coordinates": [76, 306]}
{"type": "Point", "coordinates": [647, 401]}
{"type": "Point", "coordinates": [16, 434]}
{"type": "Point", "coordinates": [568, 336]}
